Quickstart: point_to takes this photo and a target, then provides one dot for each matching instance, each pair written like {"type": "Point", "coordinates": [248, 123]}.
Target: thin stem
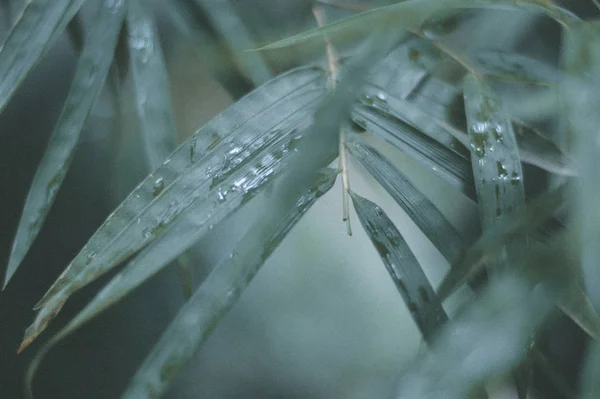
{"type": "Point", "coordinates": [332, 64]}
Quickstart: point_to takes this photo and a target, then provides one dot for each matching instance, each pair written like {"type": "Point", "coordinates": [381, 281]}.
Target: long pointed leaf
{"type": "Point", "coordinates": [217, 294]}
{"type": "Point", "coordinates": [213, 173]}
{"type": "Point", "coordinates": [448, 164]}
{"type": "Point", "coordinates": [490, 244]}
{"type": "Point", "coordinates": [415, 289]}
{"type": "Point", "coordinates": [89, 79]}
{"type": "Point", "coordinates": [425, 214]}
{"type": "Point", "coordinates": [153, 100]}
{"type": "Point", "coordinates": [229, 24]}
{"type": "Point", "coordinates": [198, 317]}
{"type": "Point", "coordinates": [26, 42]}
{"type": "Point", "coordinates": [151, 85]}
{"type": "Point", "coordinates": [495, 159]}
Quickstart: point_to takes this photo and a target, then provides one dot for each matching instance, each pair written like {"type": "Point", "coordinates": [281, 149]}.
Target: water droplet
{"type": "Point", "coordinates": [368, 99]}
{"type": "Point", "coordinates": [221, 195]}
{"type": "Point", "coordinates": [147, 233]}
{"type": "Point", "coordinates": [233, 255]}
{"type": "Point", "coordinates": [90, 257]}
{"type": "Point", "coordinates": [159, 186]}
{"type": "Point", "coordinates": [502, 172]}
{"type": "Point", "coordinates": [141, 39]}
{"type": "Point", "coordinates": [515, 179]}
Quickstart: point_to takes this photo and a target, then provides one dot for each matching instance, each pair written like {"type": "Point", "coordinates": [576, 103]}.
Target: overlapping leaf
{"type": "Point", "coordinates": [425, 215]}
{"type": "Point", "coordinates": [232, 29]}
{"type": "Point", "coordinates": [217, 294]}
{"type": "Point", "coordinates": [92, 69]}
{"type": "Point", "coordinates": [209, 176]}
{"type": "Point", "coordinates": [409, 278]}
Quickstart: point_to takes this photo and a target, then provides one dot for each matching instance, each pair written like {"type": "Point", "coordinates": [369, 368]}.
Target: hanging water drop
{"type": "Point", "coordinates": [159, 186]}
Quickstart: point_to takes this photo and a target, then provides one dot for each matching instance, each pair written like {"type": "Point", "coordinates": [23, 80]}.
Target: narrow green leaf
{"type": "Point", "coordinates": [415, 289]}
{"type": "Point", "coordinates": [495, 159]}
{"type": "Point", "coordinates": [153, 101]}
{"type": "Point", "coordinates": [26, 42]}
{"type": "Point", "coordinates": [435, 121]}
{"type": "Point", "coordinates": [411, 14]}
{"type": "Point", "coordinates": [493, 240]}
{"type": "Point", "coordinates": [408, 14]}
{"type": "Point", "coordinates": [216, 296]}
{"type": "Point", "coordinates": [228, 23]}
{"type": "Point", "coordinates": [487, 339]}
{"type": "Point", "coordinates": [425, 214]}
{"type": "Point", "coordinates": [212, 300]}
{"type": "Point", "coordinates": [449, 165]}
{"type": "Point", "coordinates": [513, 66]}
{"type": "Point", "coordinates": [69, 14]}
{"type": "Point", "coordinates": [208, 177]}
{"type": "Point", "coordinates": [92, 69]}
{"type": "Point", "coordinates": [576, 304]}
{"type": "Point", "coordinates": [151, 85]}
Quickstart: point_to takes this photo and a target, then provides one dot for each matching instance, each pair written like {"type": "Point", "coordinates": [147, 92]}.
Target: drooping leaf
{"type": "Point", "coordinates": [212, 300]}
{"type": "Point", "coordinates": [26, 42]}
{"type": "Point", "coordinates": [414, 287]}
{"type": "Point", "coordinates": [495, 160]}
{"type": "Point", "coordinates": [217, 294]}
{"type": "Point", "coordinates": [493, 240]}
{"type": "Point", "coordinates": [487, 339]}
{"type": "Point", "coordinates": [411, 14]}
{"type": "Point", "coordinates": [512, 66]}
{"type": "Point", "coordinates": [408, 14]}
{"type": "Point", "coordinates": [425, 214]}
{"type": "Point", "coordinates": [448, 164]}
{"type": "Point", "coordinates": [228, 23]}
{"type": "Point", "coordinates": [211, 175]}
{"type": "Point", "coordinates": [151, 85]}
{"type": "Point", "coordinates": [576, 304]}
{"type": "Point", "coordinates": [92, 69]}
{"type": "Point", "coordinates": [434, 120]}
{"type": "Point", "coordinates": [153, 102]}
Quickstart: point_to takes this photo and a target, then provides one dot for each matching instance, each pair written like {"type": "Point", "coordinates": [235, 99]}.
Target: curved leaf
{"type": "Point", "coordinates": [420, 298]}
{"type": "Point", "coordinates": [449, 165]}
{"type": "Point", "coordinates": [421, 211]}
{"type": "Point", "coordinates": [92, 69]}
{"type": "Point", "coordinates": [212, 300]}
{"type": "Point", "coordinates": [26, 42]}
{"type": "Point", "coordinates": [228, 23]}
{"type": "Point", "coordinates": [208, 177]}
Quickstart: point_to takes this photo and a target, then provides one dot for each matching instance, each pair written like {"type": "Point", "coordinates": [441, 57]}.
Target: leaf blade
{"type": "Point", "coordinates": [403, 267]}
{"type": "Point", "coordinates": [262, 128]}
{"type": "Point", "coordinates": [90, 75]}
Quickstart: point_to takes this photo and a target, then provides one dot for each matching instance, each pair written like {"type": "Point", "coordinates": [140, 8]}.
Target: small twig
{"type": "Point", "coordinates": [332, 63]}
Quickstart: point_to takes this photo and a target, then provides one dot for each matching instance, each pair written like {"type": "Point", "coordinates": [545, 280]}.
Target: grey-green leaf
{"type": "Point", "coordinates": [495, 159]}
{"type": "Point", "coordinates": [198, 317]}
{"type": "Point", "coordinates": [217, 294]}
{"type": "Point", "coordinates": [226, 20]}
{"type": "Point", "coordinates": [207, 177]}
{"type": "Point", "coordinates": [92, 69]}
{"type": "Point", "coordinates": [409, 278]}
{"type": "Point", "coordinates": [421, 211]}
{"type": "Point", "coordinates": [151, 85]}
{"type": "Point", "coordinates": [26, 43]}
{"type": "Point", "coordinates": [490, 244]}
{"type": "Point", "coordinates": [449, 165]}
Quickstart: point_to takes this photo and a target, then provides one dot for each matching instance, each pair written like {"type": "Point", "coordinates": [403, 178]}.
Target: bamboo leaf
{"type": "Point", "coordinates": [576, 304]}
{"type": "Point", "coordinates": [495, 159]}
{"type": "Point", "coordinates": [449, 165]}
{"type": "Point", "coordinates": [228, 23]}
{"type": "Point", "coordinates": [153, 100]}
{"type": "Point", "coordinates": [92, 69]}
{"type": "Point", "coordinates": [490, 244]}
{"type": "Point", "coordinates": [208, 177]}
{"type": "Point", "coordinates": [212, 300]}
{"type": "Point", "coordinates": [513, 66]}
{"type": "Point", "coordinates": [26, 42]}
{"type": "Point", "coordinates": [151, 85]}
{"type": "Point", "coordinates": [407, 14]}
{"type": "Point", "coordinates": [415, 289]}
{"type": "Point", "coordinates": [425, 215]}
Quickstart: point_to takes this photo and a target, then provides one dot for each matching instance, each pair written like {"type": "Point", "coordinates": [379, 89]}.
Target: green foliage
{"type": "Point", "coordinates": [279, 139]}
